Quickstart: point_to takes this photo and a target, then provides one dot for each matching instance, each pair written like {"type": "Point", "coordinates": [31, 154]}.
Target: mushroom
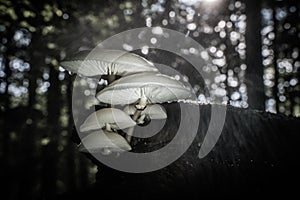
{"type": "Point", "coordinates": [154, 111]}
{"type": "Point", "coordinates": [143, 89]}
{"type": "Point", "coordinates": [105, 142]}
{"type": "Point", "coordinates": [107, 62]}
{"type": "Point", "coordinates": [110, 118]}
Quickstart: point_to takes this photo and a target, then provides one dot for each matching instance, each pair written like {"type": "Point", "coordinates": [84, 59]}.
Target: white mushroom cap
{"type": "Point", "coordinates": [103, 141]}
{"type": "Point", "coordinates": [154, 88]}
{"type": "Point", "coordinates": [154, 111]}
{"type": "Point", "coordinates": [116, 118]}
{"type": "Point", "coordinates": [107, 62]}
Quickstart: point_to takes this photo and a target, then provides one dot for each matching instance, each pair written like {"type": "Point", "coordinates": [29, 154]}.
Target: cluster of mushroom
{"type": "Point", "coordinates": [141, 87]}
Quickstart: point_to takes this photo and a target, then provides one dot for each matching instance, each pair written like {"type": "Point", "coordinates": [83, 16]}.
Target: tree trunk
{"type": "Point", "coordinates": [50, 152]}
{"type": "Point", "coordinates": [254, 73]}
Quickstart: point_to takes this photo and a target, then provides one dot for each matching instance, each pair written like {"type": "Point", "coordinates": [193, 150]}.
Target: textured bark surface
{"type": "Point", "coordinates": [257, 154]}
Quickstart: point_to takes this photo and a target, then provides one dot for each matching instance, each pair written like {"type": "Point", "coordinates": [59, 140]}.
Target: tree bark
{"type": "Point", "coordinates": [255, 155]}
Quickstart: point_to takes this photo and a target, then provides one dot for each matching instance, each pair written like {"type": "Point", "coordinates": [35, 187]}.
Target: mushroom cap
{"type": "Point", "coordinates": [154, 111]}
{"type": "Point", "coordinates": [116, 118]}
{"type": "Point", "coordinates": [156, 88]}
{"type": "Point", "coordinates": [103, 140]}
{"type": "Point", "coordinates": [107, 62]}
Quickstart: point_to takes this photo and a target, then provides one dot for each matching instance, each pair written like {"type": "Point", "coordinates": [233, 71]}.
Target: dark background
{"type": "Point", "coordinates": [254, 44]}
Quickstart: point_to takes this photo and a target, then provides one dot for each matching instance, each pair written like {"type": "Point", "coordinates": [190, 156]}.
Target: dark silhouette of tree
{"type": "Point", "coordinates": [255, 71]}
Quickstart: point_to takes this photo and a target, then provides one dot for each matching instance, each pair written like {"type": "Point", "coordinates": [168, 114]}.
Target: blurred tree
{"type": "Point", "coordinates": [280, 51]}
{"type": "Point", "coordinates": [254, 74]}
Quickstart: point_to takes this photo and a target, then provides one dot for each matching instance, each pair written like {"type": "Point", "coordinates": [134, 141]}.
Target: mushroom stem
{"type": "Point", "coordinates": [142, 103]}
{"type": "Point", "coordinates": [107, 127]}
{"type": "Point", "coordinates": [110, 79]}
{"type": "Point", "coordinates": [141, 119]}
{"type": "Point", "coordinates": [136, 115]}
{"type": "Point", "coordinates": [139, 108]}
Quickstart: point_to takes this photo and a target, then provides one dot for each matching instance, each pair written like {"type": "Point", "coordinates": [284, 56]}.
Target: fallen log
{"type": "Point", "coordinates": [256, 154]}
